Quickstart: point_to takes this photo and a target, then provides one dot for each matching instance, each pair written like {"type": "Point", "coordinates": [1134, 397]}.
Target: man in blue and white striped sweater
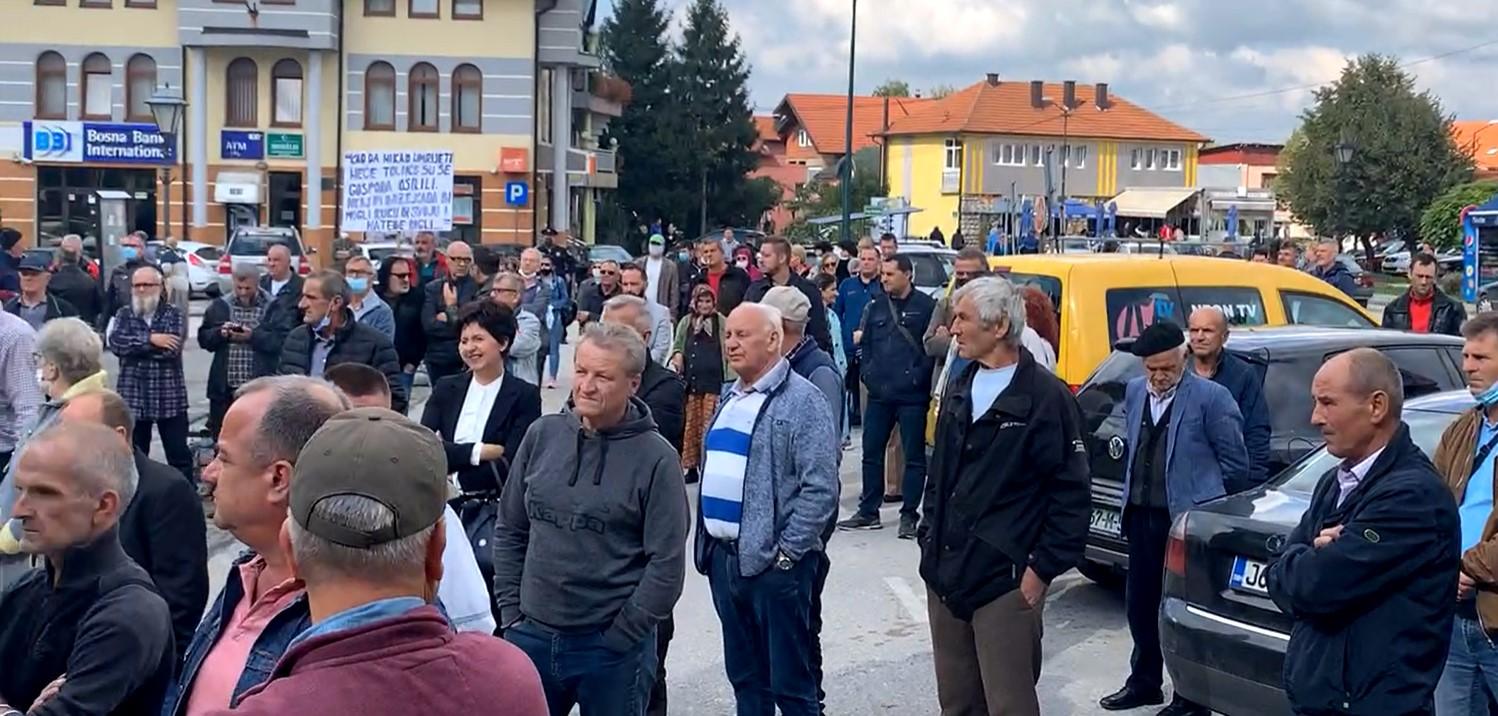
{"type": "Point", "coordinates": [769, 488]}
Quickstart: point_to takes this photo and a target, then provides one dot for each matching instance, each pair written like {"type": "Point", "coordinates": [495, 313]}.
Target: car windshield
{"type": "Point", "coordinates": [607, 253]}
{"type": "Point", "coordinates": [251, 244]}
{"type": "Point", "coordinates": [383, 253]}
{"type": "Point", "coordinates": [930, 269]}
{"type": "Point", "coordinates": [1425, 429]}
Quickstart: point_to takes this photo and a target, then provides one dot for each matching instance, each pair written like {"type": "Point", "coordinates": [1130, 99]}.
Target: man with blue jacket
{"type": "Point", "coordinates": [853, 296]}
{"type": "Point", "coordinates": [1208, 327]}
{"type": "Point", "coordinates": [1185, 438]}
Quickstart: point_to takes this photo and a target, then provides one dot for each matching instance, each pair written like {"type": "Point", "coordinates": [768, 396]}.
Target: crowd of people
{"type": "Point", "coordinates": [487, 557]}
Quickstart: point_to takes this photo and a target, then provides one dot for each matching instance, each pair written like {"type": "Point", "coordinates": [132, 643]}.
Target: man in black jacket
{"type": "Point", "coordinates": [117, 290]}
{"type": "Point", "coordinates": [329, 335]}
{"type": "Point", "coordinates": [775, 261]}
{"type": "Point", "coordinates": [439, 313]}
{"type": "Point", "coordinates": [663, 391]}
{"type": "Point", "coordinates": [93, 621]}
{"type": "Point", "coordinates": [243, 345]}
{"type": "Point", "coordinates": [1009, 468]}
{"type": "Point", "coordinates": [1367, 575]}
{"type": "Point", "coordinates": [35, 303]}
{"type": "Point", "coordinates": [1424, 308]}
{"type": "Point", "coordinates": [71, 281]}
{"type": "Point", "coordinates": [163, 528]}
{"type": "Point", "coordinates": [285, 289]}
{"type": "Point", "coordinates": [728, 282]}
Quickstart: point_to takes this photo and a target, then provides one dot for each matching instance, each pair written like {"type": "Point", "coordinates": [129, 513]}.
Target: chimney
{"type": "Point", "coordinates": [917, 94]}
{"type": "Point", "coordinates": [1100, 95]}
{"type": "Point", "coordinates": [993, 79]}
{"type": "Point", "coordinates": [1069, 95]}
{"type": "Point", "coordinates": [1037, 94]}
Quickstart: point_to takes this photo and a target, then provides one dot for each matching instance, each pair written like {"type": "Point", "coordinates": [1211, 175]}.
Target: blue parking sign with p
{"type": "Point", "coordinates": [516, 193]}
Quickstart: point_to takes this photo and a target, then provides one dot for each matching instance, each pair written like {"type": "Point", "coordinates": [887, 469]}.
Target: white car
{"type": "Point", "coordinates": [202, 265]}
{"type": "Point", "coordinates": [1398, 262]}
{"type": "Point", "coordinates": [932, 264]}
{"type": "Point", "coordinates": [378, 251]}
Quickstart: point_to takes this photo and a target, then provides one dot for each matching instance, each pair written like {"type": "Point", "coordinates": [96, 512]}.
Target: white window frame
{"type": "Point", "coordinates": [1149, 160]}
{"type": "Point", "coordinates": [1036, 154]}
{"type": "Point", "coordinates": [952, 155]}
{"type": "Point", "coordinates": [1170, 160]}
{"type": "Point", "coordinates": [1009, 154]}
{"type": "Point", "coordinates": [803, 139]}
{"type": "Point", "coordinates": [1136, 159]}
{"type": "Point", "coordinates": [1079, 156]}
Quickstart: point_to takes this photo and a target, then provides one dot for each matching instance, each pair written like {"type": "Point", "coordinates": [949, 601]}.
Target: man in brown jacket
{"type": "Point", "coordinates": [1465, 458]}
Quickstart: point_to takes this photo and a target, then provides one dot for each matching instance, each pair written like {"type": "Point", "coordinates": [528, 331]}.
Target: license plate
{"type": "Point", "coordinates": [1250, 576]}
{"type": "Point", "coordinates": [1106, 521]}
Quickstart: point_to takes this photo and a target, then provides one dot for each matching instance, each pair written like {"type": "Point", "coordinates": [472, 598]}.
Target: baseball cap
{"type": "Point", "coordinates": [374, 453]}
{"type": "Point", "coordinates": [657, 240]}
{"type": "Point", "coordinates": [792, 304]}
{"type": "Point", "coordinates": [35, 262]}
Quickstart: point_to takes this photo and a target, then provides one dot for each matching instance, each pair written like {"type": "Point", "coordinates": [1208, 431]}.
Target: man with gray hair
{"type": "Point", "coordinates": [366, 537]}
{"type": "Point", "coordinates": [589, 547]}
{"type": "Point", "coordinates": [88, 633]}
{"type": "Point", "coordinates": [1168, 470]}
{"type": "Point", "coordinates": [1329, 269]}
{"type": "Point", "coordinates": [329, 335]}
{"type": "Point", "coordinates": [147, 336]}
{"type": "Point", "coordinates": [1367, 575]}
{"type": "Point", "coordinates": [242, 348]}
{"type": "Point", "coordinates": [521, 358]}
{"type": "Point", "coordinates": [769, 489]}
{"type": "Point", "coordinates": [663, 391]}
{"type": "Point", "coordinates": [73, 279]}
{"type": "Point", "coordinates": [1009, 464]}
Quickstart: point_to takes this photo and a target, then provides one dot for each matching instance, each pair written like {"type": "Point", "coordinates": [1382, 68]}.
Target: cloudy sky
{"type": "Point", "coordinates": [1235, 71]}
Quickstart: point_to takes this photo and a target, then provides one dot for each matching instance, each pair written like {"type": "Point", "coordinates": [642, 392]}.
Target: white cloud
{"type": "Point", "coordinates": [1163, 15]}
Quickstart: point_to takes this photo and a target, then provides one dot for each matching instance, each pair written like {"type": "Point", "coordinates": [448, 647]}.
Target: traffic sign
{"type": "Point", "coordinates": [517, 193]}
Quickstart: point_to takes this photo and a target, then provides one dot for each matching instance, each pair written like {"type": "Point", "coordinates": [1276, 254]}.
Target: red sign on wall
{"type": "Point", "coordinates": [514, 160]}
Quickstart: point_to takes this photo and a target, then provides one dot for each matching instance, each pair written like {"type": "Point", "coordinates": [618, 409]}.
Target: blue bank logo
{"type": "Point", "coordinates": [56, 142]}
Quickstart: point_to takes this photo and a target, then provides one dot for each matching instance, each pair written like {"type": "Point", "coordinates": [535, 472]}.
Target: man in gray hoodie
{"type": "Point", "coordinates": [590, 541]}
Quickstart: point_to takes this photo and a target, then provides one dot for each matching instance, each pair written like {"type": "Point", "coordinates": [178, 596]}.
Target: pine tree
{"type": "Point", "coordinates": [711, 93]}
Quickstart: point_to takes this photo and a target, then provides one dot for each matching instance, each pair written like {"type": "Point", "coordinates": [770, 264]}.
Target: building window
{"type": "Point", "coordinates": [140, 3]}
{"type": "Point", "coordinates": [49, 2]}
{"type": "Point", "coordinates": [468, 9]}
{"type": "Point", "coordinates": [423, 8]}
{"type": "Point", "coordinates": [97, 91]}
{"type": "Point", "coordinates": [96, 3]}
{"type": "Point", "coordinates": [1170, 160]}
{"type": "Point", "coordinates": [1149, 160]}
{"type": "Point", "coordinates": [421, 114]}
{"type": "Point", "coordinates": [468, 99]}
{"type": "Point", "coordinates": [803, 139]}
{"type": "Point", "coordinates": [286, 93]}
{"type": "Point", "coordinates": [543, 107]}
{"type": "Point", "coordinates": [952, 159]}
{"type": "Point", "coordinates": [51, 86]}
{"type": "Point", "coordinates": [140, 84]}
{"type": "Point", "coordinates": [1009, 155]}
{"type": "Point", "coordinates": [1136, 159]}
{"type": "Point", "coordinates": [242, 94]}
{"type": "Point", "coordinates": [1036, 155]}
{"type": "Point", "coordinates": [379, 8]}
{"type": "Point", "coordinates": [379, 96]}
{"type": "Point", "coordinates": [1079, 156]}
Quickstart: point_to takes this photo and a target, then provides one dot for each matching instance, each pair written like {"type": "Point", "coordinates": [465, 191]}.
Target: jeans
{"type": "Point", "coordinates": [819, 583]}
{"type": "Point", "coordinates": [767, 634]}
{"type": "Point", "coordinates": [663, 633]}
{"type": "Point", "coordinates": [879, 420]}
{"type": "Point", "coordinates": [173, 433]}
{"type": "Point", "coordinates": [554, 347]}
{"type": "Point", "coordinates": [855, 412]}
{"type": "Point", "coordinates": [1470, 680]}
{"type": "Point", "coordinates": [579, 670]}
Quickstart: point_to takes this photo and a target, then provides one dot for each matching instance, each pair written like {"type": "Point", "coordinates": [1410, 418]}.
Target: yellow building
{"type": "Point", "coordinates": [276, 91]}
{"type": "Point", "coordinates": [965, 159]}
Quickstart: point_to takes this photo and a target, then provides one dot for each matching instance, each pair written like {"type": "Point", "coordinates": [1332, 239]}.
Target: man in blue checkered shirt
{"type": "Point", "coordinates": [147, 337]}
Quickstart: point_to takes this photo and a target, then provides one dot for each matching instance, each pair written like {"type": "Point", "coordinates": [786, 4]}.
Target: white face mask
{"type": "Point", "coordinates": [656, 250]}
{"type": "Point", "coordinates": [742, 263]}
{"type": "Point", "coordinates": [597, 274]}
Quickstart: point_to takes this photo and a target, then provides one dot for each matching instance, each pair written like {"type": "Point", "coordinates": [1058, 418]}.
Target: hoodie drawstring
{"type": "Point", "coordinates": [577, 465]}
{"type": "Point", "coordinates": [577, 462]}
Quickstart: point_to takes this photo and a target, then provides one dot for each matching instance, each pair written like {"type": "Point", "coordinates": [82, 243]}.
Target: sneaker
{"type": "Point", "coordinates": [908, 524]}
{"type": "Point", "coordinates": [860, 522]}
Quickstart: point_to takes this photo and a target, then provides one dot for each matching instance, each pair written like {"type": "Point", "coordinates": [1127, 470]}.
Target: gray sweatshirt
{"type": "Point", "coordinates": [592, 528]}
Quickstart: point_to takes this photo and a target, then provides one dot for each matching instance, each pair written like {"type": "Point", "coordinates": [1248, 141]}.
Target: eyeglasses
{"type": "Point", "coordinates": [361, 274]}
{"type": "Point", "coordinates": [144, 285]}
{"type": "Point", "coordinates": [460, 259]}
{"type": "Point", "coordinates": [608, 273]}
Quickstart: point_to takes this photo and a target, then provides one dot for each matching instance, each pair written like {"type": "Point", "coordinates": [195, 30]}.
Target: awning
{"type": "Point", "coordinates": [1151, 203]}
{"type": "Point", "coordinates": [1244, 205]}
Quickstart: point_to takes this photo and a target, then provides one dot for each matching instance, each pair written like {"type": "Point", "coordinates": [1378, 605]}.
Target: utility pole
{"type": "Point", "coordinates": [847, 172]}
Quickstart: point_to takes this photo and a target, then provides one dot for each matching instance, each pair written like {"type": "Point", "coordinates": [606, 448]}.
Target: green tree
{"type": "Point", "coordinates": [823, 197]}
{"type": "Point", "coordinates": [893, 88]}
{"type": "Point", "coordinates": [636, 50]}
{"type": "Point", "coordinates": [712, 101]}
{"type": "Point", "coordinates": [1440, 224]}
{"type": "Point", "coordinates": [941, 91]}
{"type": "Point", "coordinates": [1403, 155]}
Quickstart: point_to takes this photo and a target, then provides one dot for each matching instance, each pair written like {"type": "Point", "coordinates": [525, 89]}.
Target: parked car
{"type": "Point", "coordinates": [932, 265]}
{"type": "Point", "coordinates": [202, 265]}
{"type": "Point", "coordinates": [1398, 262]}
{"type": "Point", "coordinates": [1102, 299]}
{"type": "Point", "coordinates": [378, 251]}
{"type": "Point", "coordinates": [249, 245]}
{"type": "Point", "coordinates": [608, 252]}
{"type": "Point", "coordinates": [1289, 358]}
{"type": "Point", "coordinates": [1224, 639]}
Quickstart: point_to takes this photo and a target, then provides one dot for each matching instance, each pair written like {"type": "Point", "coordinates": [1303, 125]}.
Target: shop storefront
{"type": "Point", "coordinates": [74, 160]}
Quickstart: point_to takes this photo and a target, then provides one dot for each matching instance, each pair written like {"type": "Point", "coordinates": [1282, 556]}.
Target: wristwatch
{"type": "Point", "coordinates": [782, 562]}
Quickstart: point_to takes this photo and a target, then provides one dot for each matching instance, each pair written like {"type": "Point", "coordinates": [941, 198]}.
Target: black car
{"type": "Point", "coordinates": [1289, 357]}
{"type": "Point", "coordinates": [1224, 639]}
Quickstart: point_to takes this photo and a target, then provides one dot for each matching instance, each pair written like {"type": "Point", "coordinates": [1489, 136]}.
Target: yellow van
{"type": "Point", "coordinates": [1105, 298]}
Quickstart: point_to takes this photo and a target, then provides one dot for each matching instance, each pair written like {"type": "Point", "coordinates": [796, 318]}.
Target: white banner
{"type": "Point", "coordinates": [397, 191]}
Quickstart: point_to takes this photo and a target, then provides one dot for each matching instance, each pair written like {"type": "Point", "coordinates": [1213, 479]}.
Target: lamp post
{"type": "Point", "coordinates": [846, 175]}
{"type": "Point", "coordinates": [1343, 152]}
{"type": "Point", "coordinates": [167, 107]}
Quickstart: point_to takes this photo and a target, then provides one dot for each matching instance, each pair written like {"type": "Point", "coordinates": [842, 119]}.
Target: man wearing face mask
{"type": "Point", "coordinates": [591, 297]}
{"type": "Point", "coordinates": [329, 335]}
{"type": "Point", "coordinates": [660, 275]}
{"type": "Point", "coordinates": [147, 337]}
{"type": "Point", "coordinates": [367, 305]}
{"type": "Point", "coordinates": [118, 293]}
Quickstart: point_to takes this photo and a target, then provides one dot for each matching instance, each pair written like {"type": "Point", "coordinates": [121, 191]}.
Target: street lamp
{"type": "Point", "coordinates": [167, 106]}
{"type": "Point", "coordinates": [1343, 151]}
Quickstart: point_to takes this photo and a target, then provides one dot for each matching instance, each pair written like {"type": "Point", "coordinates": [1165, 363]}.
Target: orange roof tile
{"type": "Point", "coordinates": [765, 125]}
{"type": "Point", "coordinates": [824, 117]}
{"type": "Point", "coordinates": [1479, 137]}
{"type": "Point", "coordinates": [1005, 109]}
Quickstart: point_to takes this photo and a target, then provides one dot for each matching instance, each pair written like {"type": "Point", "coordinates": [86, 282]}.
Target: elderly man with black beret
{"type": "Point", "coordinates": [1185, 437]}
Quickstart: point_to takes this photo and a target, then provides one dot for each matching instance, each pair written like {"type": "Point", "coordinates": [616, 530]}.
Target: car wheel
{"type": "Point", "coordinates": [1104, 575]}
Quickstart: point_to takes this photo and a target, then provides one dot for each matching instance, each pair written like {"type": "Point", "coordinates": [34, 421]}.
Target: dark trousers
{"type": "Point", "coordinates": [173, 433]}
{"type": "Point", "coordinates": [767, 632]}
{"type": "Point", "coordinates": [855, 410]}
{"type": "Point", "coordinates": [663, 634]}
{"type": "Point", "coordinates": [217, 409]}
{"type": "Point", "coordinates": [819, 583]}
{"type": "Point", "coordinates": [879, 420]}
{"type": "Point", "coordinates": [579, 670]}
{"type": "Point", "coordinates": [988, 664]}
{"type": "Point", "coordinates": [1147, 530]}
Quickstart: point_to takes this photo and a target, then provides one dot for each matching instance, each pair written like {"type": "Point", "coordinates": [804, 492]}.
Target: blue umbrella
{"type": "Point", "coordinates": [1233, 223]}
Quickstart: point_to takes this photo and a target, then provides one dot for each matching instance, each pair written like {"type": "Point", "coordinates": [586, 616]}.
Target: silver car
{"type": "Point", "coordinates": [249, 245]}
{"type": "Point", "coordinates": [202, 265]}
